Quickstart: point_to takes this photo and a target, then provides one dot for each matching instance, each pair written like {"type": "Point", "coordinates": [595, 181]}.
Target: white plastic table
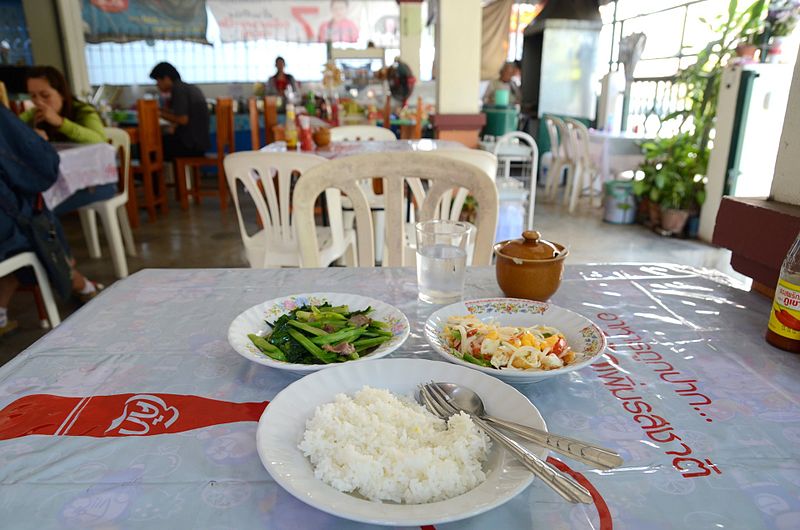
{"type": "Point", "coordinates": [81, 166]}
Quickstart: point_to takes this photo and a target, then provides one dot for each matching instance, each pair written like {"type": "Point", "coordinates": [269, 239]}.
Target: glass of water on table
{"type": "Point", "coordinates": [442, 260]}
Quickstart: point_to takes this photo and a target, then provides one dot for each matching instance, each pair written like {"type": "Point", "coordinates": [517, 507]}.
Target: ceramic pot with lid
{"type": "Point", "coordinates": [530, 267]}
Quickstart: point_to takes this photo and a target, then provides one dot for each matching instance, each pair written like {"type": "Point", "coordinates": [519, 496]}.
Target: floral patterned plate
{"type": "Point", "coordinates": [253, 321]}
{"type": "Point", "coordinates": [582, 334]}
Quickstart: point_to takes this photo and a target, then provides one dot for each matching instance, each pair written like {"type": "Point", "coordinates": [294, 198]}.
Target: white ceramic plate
{"type": "Point", "coordinates": [282, 425]}
{"type": "Point", "coordinates": [253, 321]}
{"type": "Point", "coordinates": [582, 334]}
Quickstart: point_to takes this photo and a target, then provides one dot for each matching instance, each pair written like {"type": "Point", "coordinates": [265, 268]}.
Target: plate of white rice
{"type": "Point", "coordinates": [351, 441]}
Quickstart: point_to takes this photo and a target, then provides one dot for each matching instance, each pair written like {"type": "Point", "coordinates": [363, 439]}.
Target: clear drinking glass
{"type": "Point", "coordinates": [441, 260]}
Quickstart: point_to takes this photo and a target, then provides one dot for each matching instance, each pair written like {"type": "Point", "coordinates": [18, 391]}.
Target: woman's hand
{"type": "Point", "coordinates": [42, 134]}
{"type": "Point", "coordinates": [46, 114]}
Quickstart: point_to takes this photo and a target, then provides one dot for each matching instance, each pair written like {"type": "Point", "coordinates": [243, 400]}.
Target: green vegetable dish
{"type": "Point", "coordinates": [322, 334]}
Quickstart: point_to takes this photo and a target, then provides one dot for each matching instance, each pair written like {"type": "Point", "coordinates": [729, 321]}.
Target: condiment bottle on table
{"type": "Point", "coordinates": [783, 330]}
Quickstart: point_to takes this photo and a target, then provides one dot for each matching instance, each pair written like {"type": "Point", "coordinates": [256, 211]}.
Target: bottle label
{"type": "Point", "coordinates": [784, 319]}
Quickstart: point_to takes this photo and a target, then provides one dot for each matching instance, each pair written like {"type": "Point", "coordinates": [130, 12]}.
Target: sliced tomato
{"type": "Point", "coordinates": [472, 332]}
{"type": "Point", "coordinates": [559, 347]}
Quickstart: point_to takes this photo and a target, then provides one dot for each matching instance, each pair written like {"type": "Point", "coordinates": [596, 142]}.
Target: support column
{"type": "Point", "coordinates": [56, 31]}
{"type": "Point", "coordinates": [458, 71]}
{"type": "Point", "coordinates": [411, 33]}
{"type": "Point", "coordinates": [74, 46]}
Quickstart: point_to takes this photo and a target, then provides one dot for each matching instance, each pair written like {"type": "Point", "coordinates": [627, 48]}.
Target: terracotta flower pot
{"type": "Point", "coordinates": [674, 221]}
{"type": "Point", "coordinates": [654, 211]}
{"type": "Point", "coordinates": [747, 51]}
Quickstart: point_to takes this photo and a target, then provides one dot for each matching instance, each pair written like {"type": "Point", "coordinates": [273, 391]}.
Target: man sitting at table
{"type": "Point", "coordinates": [187, 111]}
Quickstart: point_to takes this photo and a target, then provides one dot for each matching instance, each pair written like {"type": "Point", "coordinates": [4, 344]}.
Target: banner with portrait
{"type": "Point", "coordinates": [340, 21]}
{"type": "Point", "coordinates": [131, 20]}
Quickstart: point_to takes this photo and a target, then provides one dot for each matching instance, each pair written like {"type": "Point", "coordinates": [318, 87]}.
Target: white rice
{"type": "Point", "coordinates": [386, 447]}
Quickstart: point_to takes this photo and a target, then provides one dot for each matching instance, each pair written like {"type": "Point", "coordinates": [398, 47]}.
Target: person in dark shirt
{"type": "Point", "coordinates": [187, 111]}
{"type": "Point", "coordinates": [28, 166]}
{"type": "Point", "coordinates": [278, 83]}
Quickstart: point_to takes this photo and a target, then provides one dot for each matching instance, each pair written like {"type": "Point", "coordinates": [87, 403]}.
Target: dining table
{"type": "Point", "coordinates": [136, 412]}
{"type": "Point", "coordinates": [335, 150]}
{"type": "Point", "coordinates": [81, 166]}
{"type": "Point", "coordinates": [616, 152]}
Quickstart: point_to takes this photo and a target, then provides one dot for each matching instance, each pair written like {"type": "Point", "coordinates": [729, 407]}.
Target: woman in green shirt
{"type": "Point", "coordinates": [58, 117]}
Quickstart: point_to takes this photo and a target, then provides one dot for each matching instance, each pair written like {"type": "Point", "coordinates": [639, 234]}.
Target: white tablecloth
{"type": "Point", "coordinates": [615, 152]}
{"type": "Point", "coordinates": [81, 166]}
{"type": "Point", "coordinates": [704, 411]}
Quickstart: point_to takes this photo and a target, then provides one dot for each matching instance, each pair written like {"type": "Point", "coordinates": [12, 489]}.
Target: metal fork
{"type": "Point", "coordinates": [565, 486]}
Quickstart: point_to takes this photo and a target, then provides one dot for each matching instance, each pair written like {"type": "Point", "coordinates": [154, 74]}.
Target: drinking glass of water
{"type": "Point", "coordinates": [441, 260]}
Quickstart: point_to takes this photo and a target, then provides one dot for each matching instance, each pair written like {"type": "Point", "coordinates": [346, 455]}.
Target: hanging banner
{"type": "Point", "coordinates": [309, 21]}
{"type": "Point", "coordinates": [131, 20]}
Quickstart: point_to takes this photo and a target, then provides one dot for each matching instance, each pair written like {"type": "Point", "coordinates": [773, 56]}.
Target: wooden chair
{"type": "Point", "coordinates": [112, 213]}
{"type": "Point", "coordinates": [270, 118]}
{"type": "Point", "coordinates": [255, 127]}
{"type": "Point", "coordinates": [267, 179]}
{"type": "Point", "coordinates": [151, 158]}
{"type": "Point", "coordinates": [417, 134]}
{"type": "Point", "coordinates": [4, 96]}
{"type": "Point", "coordinates": [387, 113]}
{"type": "Point", "coordinates": [225, 145]}
{"type": "Point", "coordinates": [443, 175]}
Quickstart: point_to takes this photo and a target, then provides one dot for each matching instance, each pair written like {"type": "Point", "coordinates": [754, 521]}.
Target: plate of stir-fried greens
{"type": "Point", "coordinates": [308, 332]}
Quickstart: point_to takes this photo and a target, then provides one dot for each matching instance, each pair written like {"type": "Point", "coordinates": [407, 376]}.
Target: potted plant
{"type": "Point", "coordinates": [673, 180]}
{"type": "Point", "coordinates": [674, 168]}
{"type": "Point", "coordinates": [748, 47]}
{"type": "Point", "coordinates": [782, 19]}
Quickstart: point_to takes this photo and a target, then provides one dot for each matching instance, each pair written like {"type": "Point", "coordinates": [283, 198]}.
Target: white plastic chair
{"type": "Point", "coordinates": [276, 245]}
{"type": "Point", "coordinates": [29, 259]}
{"type": "Point", "coordinates": [526, 141]}
{"type": "Point", "coordinates": [362, 133]}
{"type": "Point", "coordinates": [113, 213]}
{"type": "Point", "coordinates": [585, 169]}
{"type": "Point", "coordinates": [563, 157]}
{"type": "Point", "coordinates": [395, 169]}
{"type": "Point", "coordinates": [452, 201]}
{"type": "Point", "coordinates": [358, 133]}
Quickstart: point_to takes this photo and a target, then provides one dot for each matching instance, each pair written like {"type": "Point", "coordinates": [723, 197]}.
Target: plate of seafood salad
{"type": "Point", "coordinates": [514, 339]}
{"type": "Point", "coordinates": [308, 332]}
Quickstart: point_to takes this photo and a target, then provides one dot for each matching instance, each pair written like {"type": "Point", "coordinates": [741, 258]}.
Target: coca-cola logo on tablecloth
{"type": "Point", "coordinates": [143, 412]}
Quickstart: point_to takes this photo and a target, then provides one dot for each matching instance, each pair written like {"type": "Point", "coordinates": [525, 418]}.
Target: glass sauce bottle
{"type": "Point", "coordinates": [783, 330]}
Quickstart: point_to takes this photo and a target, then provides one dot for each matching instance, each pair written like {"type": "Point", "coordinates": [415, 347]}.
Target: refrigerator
{"type": "Point", "coordinates": [750, 113]}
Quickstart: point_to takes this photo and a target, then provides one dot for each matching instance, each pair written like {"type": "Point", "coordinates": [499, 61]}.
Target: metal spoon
{"type": "Point", "coordinates": [436, 401]}
{"type": "Point", "coordinates": [466, 399]}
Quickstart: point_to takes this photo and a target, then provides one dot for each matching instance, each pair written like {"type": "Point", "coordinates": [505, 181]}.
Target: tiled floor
{"type": "Point", "coordinates": [203, 237]}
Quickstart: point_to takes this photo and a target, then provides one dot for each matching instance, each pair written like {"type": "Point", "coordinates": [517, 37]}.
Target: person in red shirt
{"type": "Point", "coordinates": [278, 83]}
{"type": "Point", "coordinates": [339, 28]}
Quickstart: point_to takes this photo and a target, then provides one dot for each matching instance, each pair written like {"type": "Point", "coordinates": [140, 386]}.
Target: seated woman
{"type": "Point", "coordinates": [58, 117]}
{"type": "Point", "coordinates": [28, 166]}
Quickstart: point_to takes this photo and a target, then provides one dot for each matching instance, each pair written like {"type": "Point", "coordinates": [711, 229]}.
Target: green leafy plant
{"type": "Point", "coordinates": [673, 171]}
{"type": "Point", "coordinates": [675, 167]}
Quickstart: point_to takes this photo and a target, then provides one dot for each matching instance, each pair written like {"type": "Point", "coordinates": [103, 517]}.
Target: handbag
{"type": "Point", "coordinates": [40, 229]}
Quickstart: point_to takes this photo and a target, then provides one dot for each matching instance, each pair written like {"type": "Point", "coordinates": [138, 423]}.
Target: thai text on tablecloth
{"type": "Point", "coordinates": [622, 386]}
